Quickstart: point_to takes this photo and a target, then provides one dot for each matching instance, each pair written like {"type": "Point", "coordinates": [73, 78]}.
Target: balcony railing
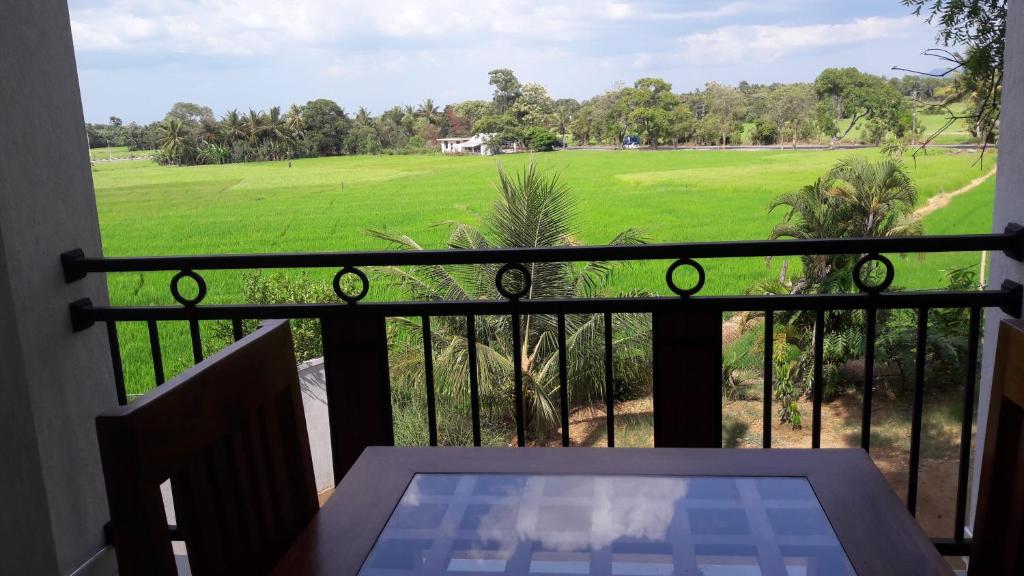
{"type": "Point", "coordinates": [686, 335]}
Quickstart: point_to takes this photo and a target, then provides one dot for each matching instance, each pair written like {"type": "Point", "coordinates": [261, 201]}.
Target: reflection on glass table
{"type": "Point", "coordinates": [618, 525]}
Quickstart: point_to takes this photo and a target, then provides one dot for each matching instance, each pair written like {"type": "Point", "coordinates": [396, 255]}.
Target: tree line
{"type": "Point", "coordinates": [842, 104]}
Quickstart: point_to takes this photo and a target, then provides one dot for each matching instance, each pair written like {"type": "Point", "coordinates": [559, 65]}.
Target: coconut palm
{"type": "Point", "coordinates": [176, 141]}
{"type": "Point", "coordinates": [231, 126]}
{"type": "Point", "coordinates": [533, 210]}
{"type": "Point", "coordinates": [293, 120]}
{"type": "Point", "coordinates": [255, 125]}
{"type": "Point", "coordinates": [429, 111]}
{"type": "Point", "coordinates": [275, 127]}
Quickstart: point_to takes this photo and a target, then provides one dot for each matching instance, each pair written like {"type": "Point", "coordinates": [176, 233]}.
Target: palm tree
{"type": "Point", "coordinates": [293, 120]}
{"type": "Point", "coordinates": [231, 126]}
{"type": "Point", "coordinates": [857, 198]}
{"type": "Point", "coordinates": [175, 140]}
{"type": "Point", "coordinates": [429, 111]}
{"type": "Point", "coordinates": [879, 197]}
{"type": "Point", "coordinates": [533, 210]}
{"type": "Point", "coordinates": [409, 118]}
{"type": "Point", "coordinates": [254, 124]}
{"type": "Point", "coordinates": [275, 126]}
{"type": "Point", "coordinates": [363, 117]}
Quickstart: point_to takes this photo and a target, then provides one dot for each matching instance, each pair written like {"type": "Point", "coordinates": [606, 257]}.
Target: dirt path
{"type": "Point", "coordinates": [942, 200]}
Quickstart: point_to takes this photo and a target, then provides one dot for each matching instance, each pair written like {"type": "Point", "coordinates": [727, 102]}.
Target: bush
{"type": "Point", "coordinates": [540, 139]}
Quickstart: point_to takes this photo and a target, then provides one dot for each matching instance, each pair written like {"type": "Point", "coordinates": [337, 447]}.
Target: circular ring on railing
{"type": "Point", "coordinates": [692, 264]}
{"type": "Point", "coordinates": [886, 281]}
{"type": "Point", "coordinates": [351, 298]}
{"type": "Point", "coordinates": [200, 283]}
{"type": "Point", "coordinates": [500, 277]}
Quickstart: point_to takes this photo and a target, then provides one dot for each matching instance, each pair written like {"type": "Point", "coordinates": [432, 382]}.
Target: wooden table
{"type": "Point", "coordinates": [877, 534]}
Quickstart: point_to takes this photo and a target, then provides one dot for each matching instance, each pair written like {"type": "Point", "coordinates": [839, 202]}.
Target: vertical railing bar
{"type": "Point", "coordinates": [563, 379]}
{"type": "Point", "coordinates": [869, 378]}
{"type": "Point", "coordinates": [154, 347]}
{"type": "Point", "coordinates": [968, 419]}
{"type": "Point", "coordinates": [474, 383]}
{"type": "Point", "coordinates": [918, 408]}
{"type": "Point", "coordinates": [609, 381]}
{"type": "Point", "coordinates": [769, 366]}
{"type": "Point", "coordinates": [236, 329]}
{"type": "Point", "coordinates": [517, 366]}
{"type": "Point", "coordinates": [428, 369]}
{"type": "Point", "coordinates": [818, 383]}
{"type": "Point", "coordinates": [115, 359]}
{"type": "Point", "coordinates": [197, 340]}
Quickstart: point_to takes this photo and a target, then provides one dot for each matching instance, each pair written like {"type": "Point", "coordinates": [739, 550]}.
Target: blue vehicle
{"type": "Point", "coordinates": [631, 142]}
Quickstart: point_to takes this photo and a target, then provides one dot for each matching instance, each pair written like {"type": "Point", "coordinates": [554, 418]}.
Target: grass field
{"type": "Point", "coordinates": [118, 153]}
{"type": "Point", "coordinates": [327, 204]}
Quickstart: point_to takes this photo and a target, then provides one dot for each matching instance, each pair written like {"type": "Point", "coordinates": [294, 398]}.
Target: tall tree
{"type": "Point", "coordinates": [506, 88]}
{"type": "Point", "coordinates": [429, 112]}
{"type": "Point", "coordinates": [726, 107]}
{"type": "Point", "coordinates": [325, 125]}
{"type": "Point", "coordinates": [847, 94]}
{"type": "Point", "coordinates": [650, 102]}
{"type": "Point", "coordinates": [793, 107]}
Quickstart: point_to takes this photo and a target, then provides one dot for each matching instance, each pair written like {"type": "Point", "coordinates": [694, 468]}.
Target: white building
{"type": "Point", "coordinates": [467, 145]}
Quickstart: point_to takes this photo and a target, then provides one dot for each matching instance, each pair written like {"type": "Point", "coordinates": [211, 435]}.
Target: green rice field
{"type": "Point", "coordinates": [327, 204]}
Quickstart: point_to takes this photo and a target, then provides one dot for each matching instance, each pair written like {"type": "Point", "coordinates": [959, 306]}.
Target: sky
{"type": "Point", "coordinates": [138, 57]}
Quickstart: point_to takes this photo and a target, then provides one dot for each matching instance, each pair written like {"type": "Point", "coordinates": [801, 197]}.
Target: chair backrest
{"type": "Point", "coordinates": [998, 542]}
{"type": "Point", "coordinates": [230, 435]}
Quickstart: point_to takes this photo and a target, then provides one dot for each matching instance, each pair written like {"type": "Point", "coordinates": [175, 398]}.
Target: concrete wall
{"type": "Point", "coordinates": [1009, 204]}
{"type": "Point", "coordinates": [52, 382]}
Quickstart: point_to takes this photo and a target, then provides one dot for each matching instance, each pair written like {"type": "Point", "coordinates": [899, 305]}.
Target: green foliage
{"type": "Point", "coordinates": [857, 198]}
{"type": "Point", "coordinates": [533, 210]}
{"type": "Point", "coordinates": [540, 139]}
{"type": "Point", "coordinates": [978, 27]}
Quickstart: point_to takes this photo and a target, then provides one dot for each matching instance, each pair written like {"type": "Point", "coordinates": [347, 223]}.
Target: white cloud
{"type": "Point", "coordinates": [769, 43]}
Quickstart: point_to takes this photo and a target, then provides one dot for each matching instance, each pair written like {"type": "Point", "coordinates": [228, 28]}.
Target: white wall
{"type": "Point", "coordinates": [1009, 204]}
{"type": "Point", "coordinates": [52, 382]}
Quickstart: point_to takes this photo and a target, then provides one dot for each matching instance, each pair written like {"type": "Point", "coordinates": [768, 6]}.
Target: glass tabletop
{"type": "Point", "coordinates": [618, 525]}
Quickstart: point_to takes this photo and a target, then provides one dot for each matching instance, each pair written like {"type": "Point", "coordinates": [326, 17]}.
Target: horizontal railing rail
{"type": "Point", "coordinates": [674, 320]}
{"type": "Point", "coordinates": [1011, 241]}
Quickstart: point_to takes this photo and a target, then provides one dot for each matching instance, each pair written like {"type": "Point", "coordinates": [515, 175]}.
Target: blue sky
{"type": "Point", "coordinates": [137, 57]}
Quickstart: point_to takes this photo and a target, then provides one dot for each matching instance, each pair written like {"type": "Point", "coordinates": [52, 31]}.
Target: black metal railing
{"type": "Point", "coordinates": [512, 301]}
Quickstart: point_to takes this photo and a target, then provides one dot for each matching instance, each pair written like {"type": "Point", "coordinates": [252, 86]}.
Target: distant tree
{"type": "Point", "coordinates": [565, 110]}
{"type": "Point", "coordinates": [650, 103]}
{"type": "Point", "coordinates": [255, 125]}
{"type": "Point", "coordinates": [191, 115]}
{"type": "Point", "coordinates": [680, 123]}
{"type": "Point", "coordinates": [851, 95]}
{"type": "Point", "coordinates": [467, 114]}
{"type": "Point", "coordinates": [324, 125]}
{"type": "Point", "coordinates": [362, 117]}
{"type": "Point", "coordinates": [506, 88]}
{"type": "Point", "coordinates": [793, 107]}
{"type": "Point", "coordinates": [726, 108]}
{"type": "Point", "coordinates": [293, 121]}
{"type": "Point", "coordinates": [176, 141]}
{"type": "Point", "coordinates": [429, 112]}
{"type": "Point", "coordinates": [232, 126]}
{"type": "Point", "coordinates": [533, 107]}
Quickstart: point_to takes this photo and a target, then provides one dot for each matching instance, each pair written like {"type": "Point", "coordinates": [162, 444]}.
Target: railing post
{"type": "Point", "coordinates": [688, 379]}
{"type": "Point", "coordinates": [358, 386]}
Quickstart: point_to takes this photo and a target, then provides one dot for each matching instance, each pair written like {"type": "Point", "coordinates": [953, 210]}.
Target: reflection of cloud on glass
{"type": "Point", "coordinates": [621, 507]}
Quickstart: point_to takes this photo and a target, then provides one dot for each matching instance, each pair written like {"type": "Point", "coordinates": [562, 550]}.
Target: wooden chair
{"type": "Point", "coordinates": [230, 434]}
{"type": "Point", "coordinates": [998, 543]}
